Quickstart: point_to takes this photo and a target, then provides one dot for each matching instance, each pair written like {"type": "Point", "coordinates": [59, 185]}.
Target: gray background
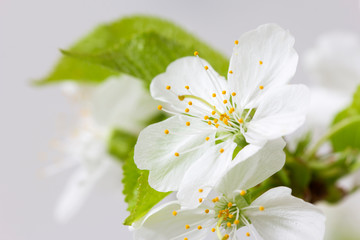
{"type": "Point", "coordinates": [31, 31]}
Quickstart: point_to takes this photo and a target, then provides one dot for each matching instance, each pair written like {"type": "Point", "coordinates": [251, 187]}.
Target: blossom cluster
{"type": "Point", "coordinates": [224, 138]}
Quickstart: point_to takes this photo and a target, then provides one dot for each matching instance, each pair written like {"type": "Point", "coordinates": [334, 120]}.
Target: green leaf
{"type": "Point", "coordinates": [142, 199]}
{"type": "Point", "coordinates": [131, 175]}
{"type": "Point", "coordinates": [349, 136]}
{"type": "Point", "coordinates": [128, 31]}
{"type": "Point", "coordinates": [120, 144]}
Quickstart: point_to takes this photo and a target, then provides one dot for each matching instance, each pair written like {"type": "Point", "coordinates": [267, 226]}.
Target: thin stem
{"type": "Point", "coordinates": [218, 233]}
{"type": "Point", "coordinates": [201, 100]}
{"type": "Point", "coordinates": [333, 130]}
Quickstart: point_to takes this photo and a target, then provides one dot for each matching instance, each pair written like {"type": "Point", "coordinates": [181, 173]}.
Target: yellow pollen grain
{"type": "Point", "coordinates": [241, 120]}
{"type": "Point", "coordinates": [176, 154]}
{"type": "Point", "coordinates": [159, 107]}
{"type": "Point", "coordinates": [230, 204]}
{"type": "Point", "coordinates": [187, 123]}
{"type": "Point", "coordinates": [207, 138]}
{"type": "Point", "coordinates": [209, 122]}
{"type": "Point", "coordinates": [213, 112]}
{"type": "Point", "coordinates": [187, 110]}
{"type": "Point", "coordinates": [196, 53]}
{"type": "Point", "coordinates": [228, 224]}
{"type": "Point", "coordinates": [213, 95]}
{"type": "Point", "coordinates": [201, 190]}
{"type": "Point", "coordinates": [168, 87]}
{"type": "Point", "coordinates": [206, 67]}
{"type": "Point", "coordinates": [206, 117]}
{"type": "Point", "coordinates": [200, 200]}
{"type": "Point", "coordinates": [215, 199]}
{"type": "Point", "coordinates": [187, 226]}
{"type": "Point", "coordinates": [166, 131]}
{"type": "Point", "coordinates": [260, 62]}
{"type": "Point", "coordinates": [226, 121]}
{"type": "Point", "coordinates": [231, 216]}
{"type": "Point", "coordinates": [248, 234]}
{"type": "Point", "coordinates": [223, 92]}
{"type": "Point", "coordinates": [221, 150]}
{"type": "Point", "coordinates": [231, 72]}
{"type": "Point", "coordinates": [186, 239]}
{"type": "Point", "coordinates": [190, 103]}
{"type": "Point", "coordinates": [174, 213]}
{"type": "Point", "coordinates": [199, 227]}
{"type": "Point", "coordinates": [236, 42]}
{"type": "Point", "coordinates": [261, 208]}
{"type": "Point", "coordinates": [226, 236]}
{"type": "Point", "coordinates": [225, 101]}
{"type": "Point", "coordinates": [231, 110]}
{"type": "Point", "coordinates": [207, 210]}
{"type": "Point", "coordinates": [261, 87]}
{"type": "Point", "coordinates": [187, 87]}
{"type": "Point", "coordinates": [233, 94]}
{"type": "Point", "coordinates": [215, 120]}
{"type": "Point", "coordinates": [243, 192]}
{"type": "Point", "coordinates": [236, 222]}
{"type": "Point", "coordinates": [217, 125]}
{"type": "Point", "coordinates": [213, 229]}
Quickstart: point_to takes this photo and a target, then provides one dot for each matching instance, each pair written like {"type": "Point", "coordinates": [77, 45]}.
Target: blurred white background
{"type": "Point", "coordinates": [31, 33]}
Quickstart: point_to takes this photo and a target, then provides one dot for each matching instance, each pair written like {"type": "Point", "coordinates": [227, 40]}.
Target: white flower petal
{"type": "Point", "coordinates": [271, 45]}
{"type": "Point", "coordinates": [204, 174]}
{"type": "Point", "coordinates": [255, 169]}
{"type": "Point", "coordinates": [155, 150]}
{"type": "Point", "coordinates": [77, 190]}
{"type": "Point", "coordinates": [188, 71]}
{"type": "Point", "coordinates": [122, 102]}
{"type": "Point", "coordinates": [286, 217]}
{"type": "Point", "coordinates": [280, 113]}
{"type": "Point", "coordinates": [161, 224]}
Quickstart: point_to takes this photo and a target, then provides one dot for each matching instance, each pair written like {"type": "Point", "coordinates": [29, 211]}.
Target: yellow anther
{"type": "Point", "coordinates": [230, 204]}
{"type": "Point", "coordinates": [241, 120]}
{"type": "Point", "coordinates": [166, 131]}
{"type": "Point", "coordinates": [159, 107]}
{"type": "Point", "coordinates": [213, 229]}
{"type": "Point", "coordinates": [236, 42]}
{"type": "Point", "coordinates": [213, 95]}
{"type": "Point", "coordinates": [217, 125]}
{"type": "Point", "coordinates": [187, 110]}
{"type": "Point", "coordinates": [231, 216]}
{"type": "Point", "coordinates": [196, 53]}
{"type": "Point", "coordinates": [186, 239]}
{"type": "Point", "coordinates": [248, 234]}
{"type": "Point", "coordinates": [236, 222]}
{"type": "Point", "coordinates": [187, 226]}
{"type": "Point", "coordinates": [261, 208]}
{"type": "Point", "coordinates": [226, 236]}
{"type": "Point", "coordinates": [187, 87]}
{"type": "Point", "coordinates": [231, 110]}
{"type": "Point", "coordinates": [176, 154]}
{"type": "Point", "coordinates": [200, 200]}
{"type": "Point", "coordinates": [206, 117]}
{"type": "Point", "coordinates": [261, 87]}
{"type": "Point", "coordinates": [209, 122]}
{"type": "Point", "coordinates": [168, 87]}
{"type": "Point", "coordinates": [201, 190]}
{"type": "Point", "coordinates": [243, 192]}
{"type": "Point", "coordinates": [260, 62]}
{"type": "Point", "coordinates": [206, 67]}
{"type": "Point", "coordinates": [231, 72]}
{"type": "Point", "coordinates": [199, 227]}
{"type": "Point", "coordinates": [221, 118]}
{"type": "Point", "coordinates": [225, 101]}
{"type": "Point", "coordinates": [215, 199]}
{"type": "Point", "coordinates": [233, 94]}
{"type": "Point", "coordinates": [215, 120]}
{"type": "Point", "coordinates": [221, 150]}
{"type": "Point", "coordinates": [207, 210]}
{"type": "Point", "coordinates": [190, 103]}
{"type": "Point", "coordinates": [223, 92]}
{"type": "Point", "coordinates": [187, 123]}
{"type": "Point", "coordinates": [226, 121]}
{"type": "Point", "coordinates": [213, 112]}
{"type": "Point", "coordinates": [174, 213]}
{"type": "Point", "coordinates": [207, 138]}
{"type": "Point", "coordinates": [228, 224]}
